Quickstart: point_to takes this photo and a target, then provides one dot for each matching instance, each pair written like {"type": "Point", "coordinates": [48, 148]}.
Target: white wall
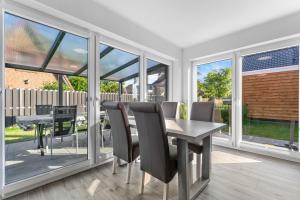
{"type": "Point", "coordinates": [280, 28]}
{"type": "Point", "coordinates": [110, 24]}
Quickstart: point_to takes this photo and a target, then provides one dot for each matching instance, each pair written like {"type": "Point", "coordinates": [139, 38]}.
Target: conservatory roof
{"type": "Point", "coordinates": [38, 47]}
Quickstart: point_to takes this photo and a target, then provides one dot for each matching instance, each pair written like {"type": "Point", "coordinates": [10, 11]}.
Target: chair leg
{"type": "Point", "coordinates": [198, 166]}
{"type": "Point", "coordinates": [128, 172]}
{"type": "Point", "coordinates": [142, 183]}
{"type": "Point", "coordinates": [166, 191]}
{"type": "Point", "coordinates": [114, 165]}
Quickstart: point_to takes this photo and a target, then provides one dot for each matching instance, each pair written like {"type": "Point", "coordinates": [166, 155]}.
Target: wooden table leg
{"type": "Point", "coordinates": [183, 175]}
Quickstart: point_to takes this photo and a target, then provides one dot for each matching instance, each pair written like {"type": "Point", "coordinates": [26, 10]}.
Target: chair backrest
{"type": "Point", "coordinates": [64, 120]}
{"type": "Point", "coordinates": [169, 109]}
{"type": "Point", "coordinates": [203, 111]}
{"type": "Point", "coordinates": [122, 142]}
{"type": "Point", "coordinates": [154, 149]}
{"type": "Point", "coordinates": [43, 109]}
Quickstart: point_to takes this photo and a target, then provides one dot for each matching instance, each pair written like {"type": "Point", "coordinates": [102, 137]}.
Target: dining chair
{"type": "Point", "coordinates": [125, 146]}
{"type": "Point", "coordinates": [64, 124]}
{"type": "Point", "coordinates": [201, 111]}
{"type": "Point", "coordinates": [158, 157]}
{"type": "Point", "coordinates": [170, 109]}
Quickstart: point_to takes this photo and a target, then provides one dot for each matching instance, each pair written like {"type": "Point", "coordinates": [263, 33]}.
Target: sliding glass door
{"type": "Point", "coordinates": [270, 96]}
{"type": "Point", "coordinates": [119, 75]}
{"type": "Point", "coordinates": [46, 85]}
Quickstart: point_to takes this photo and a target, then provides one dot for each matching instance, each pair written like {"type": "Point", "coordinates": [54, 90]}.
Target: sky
{"type": "Point", "coordinates": [204, 69]}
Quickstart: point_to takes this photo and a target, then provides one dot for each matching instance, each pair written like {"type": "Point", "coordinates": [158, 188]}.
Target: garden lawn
{"type": "Point", "coordinates": [273, 130]}
{"type": "Point", "coordinates": [15, 134]}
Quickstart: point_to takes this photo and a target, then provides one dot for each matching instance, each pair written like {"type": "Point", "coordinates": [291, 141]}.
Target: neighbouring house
{"type": "Point", "coordinates": [271, 84]}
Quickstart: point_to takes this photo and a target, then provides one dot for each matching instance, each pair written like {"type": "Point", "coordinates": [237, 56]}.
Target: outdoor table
{"type": "Point", "coordinates": [40, 121]}
{"type": "Point", "coordinates": [190, 131]}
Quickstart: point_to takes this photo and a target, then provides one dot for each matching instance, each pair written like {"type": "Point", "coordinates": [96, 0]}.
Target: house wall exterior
{"type": "Point", "coordinates": [273, 96]}
{"type": "Point", "coordinates": [15, 78]}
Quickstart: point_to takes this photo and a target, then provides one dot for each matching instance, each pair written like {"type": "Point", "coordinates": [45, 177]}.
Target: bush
{"type": "Point", "coordinates": [225, 113]}
{"type": "Point", "coordinates": [54, 86]}
{"type": "Point", "coordinates": [183, 111]}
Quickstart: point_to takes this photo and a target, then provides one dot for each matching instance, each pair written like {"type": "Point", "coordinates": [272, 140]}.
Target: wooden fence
{"type": "Point", "coordinates": [22, 102]}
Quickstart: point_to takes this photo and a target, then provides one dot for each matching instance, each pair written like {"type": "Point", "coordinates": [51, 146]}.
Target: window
{"type": "Point", "coordinates": [44, 67]}
{"type": "Point", "coordinates": [214, 83]}
{"type": "Point", "coordinates": [271, 97]}
{"type": "Point", "coordinates": [119, 74]}
{"type": "Point", "coordinates": [157, 81]}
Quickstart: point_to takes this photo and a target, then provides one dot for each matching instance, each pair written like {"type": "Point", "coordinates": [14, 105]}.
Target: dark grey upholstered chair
{"type": "Point", "coordinates": [169, 109]}
{"type": "Point", "coordinates": [125, 146]}
{"type": "Point", "coordinates": [158, 158]}
{"type": "Point", "coordinates": [201, 111]}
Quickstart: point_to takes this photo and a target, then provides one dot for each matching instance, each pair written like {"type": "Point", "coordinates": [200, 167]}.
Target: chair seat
{"type": "Point", "coordinates": [196, 148]}
{"type": "Point", "coordinates": [135, 147]}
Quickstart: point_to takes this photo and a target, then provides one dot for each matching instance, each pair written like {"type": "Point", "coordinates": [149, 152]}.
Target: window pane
{"type": "Point", "coordinates": [27, 42]}
{"type": "Point", "coordinates": [130, 71]}
{"type": "Point", "coordinates": [271, 97]}
{"type": "Point", "coordinates": [156, 81]}
{"type": "Point", "coordinates": [71, 55]}
{"type": "Point", "coordinates": [114, 59]}
{"type": "Point", "coordinates": [214, 84]}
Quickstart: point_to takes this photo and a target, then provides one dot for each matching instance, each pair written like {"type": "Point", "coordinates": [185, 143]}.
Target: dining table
{"type": "Point", "coordinates": [191, 131]}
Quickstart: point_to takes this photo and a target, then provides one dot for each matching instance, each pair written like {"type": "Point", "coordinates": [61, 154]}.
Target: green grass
{"type": "Point", "coordinates": [267, 129]}
{"type": "Point", "coordinates": [15, 134]}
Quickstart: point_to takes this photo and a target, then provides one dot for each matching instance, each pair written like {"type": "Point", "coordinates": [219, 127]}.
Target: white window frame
{"type": "Point", "coordinates": [53, 175]}
{"type": "Point", "coordinates": [256, 147]}
{"type": "Point", "coordinates": [236, 55]}
{"type": "Point", "coordinates": [228, 142]}
{"type": "Point", "coordinates": [36, 12]}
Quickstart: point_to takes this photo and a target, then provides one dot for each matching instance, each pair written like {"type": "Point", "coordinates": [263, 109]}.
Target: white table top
{"type": "Point", "coordinates": [189, 130]}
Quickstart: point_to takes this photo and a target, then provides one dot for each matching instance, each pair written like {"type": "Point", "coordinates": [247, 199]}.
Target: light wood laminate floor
{"type": "Point", "coordinates": [236, 175]}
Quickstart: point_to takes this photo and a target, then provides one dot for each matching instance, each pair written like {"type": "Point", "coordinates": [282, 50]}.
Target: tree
{"type": "Point", "coordinates": [216, 84]}
{"type": "Point", "coordinates": [79, 83]}
{"type": "Point", "coordinates": [109, 86]}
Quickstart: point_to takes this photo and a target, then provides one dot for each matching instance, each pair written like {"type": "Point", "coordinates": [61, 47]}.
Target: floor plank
{"type": "Point", "coordinates": [235, 175]}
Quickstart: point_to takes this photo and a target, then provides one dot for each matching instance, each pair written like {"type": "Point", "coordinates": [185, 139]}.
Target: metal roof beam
{"type": "Point", "coordinates": [120, 68]}
{"type": "Point", "coordinates": [53, 49]}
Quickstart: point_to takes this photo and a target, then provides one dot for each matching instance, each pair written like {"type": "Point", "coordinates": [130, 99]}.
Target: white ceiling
{"type": "Point", "coordinates": [188, 22]}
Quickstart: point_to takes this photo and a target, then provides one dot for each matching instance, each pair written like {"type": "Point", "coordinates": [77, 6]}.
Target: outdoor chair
{"type": "Point", "coordinates": [43, 110]}
{"type": "Point", "coordinates": [158, 157]}
{"type": "Point", "coordinates": [64, 124]}
{"type": "Point", "coordinates": [125, 146]}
